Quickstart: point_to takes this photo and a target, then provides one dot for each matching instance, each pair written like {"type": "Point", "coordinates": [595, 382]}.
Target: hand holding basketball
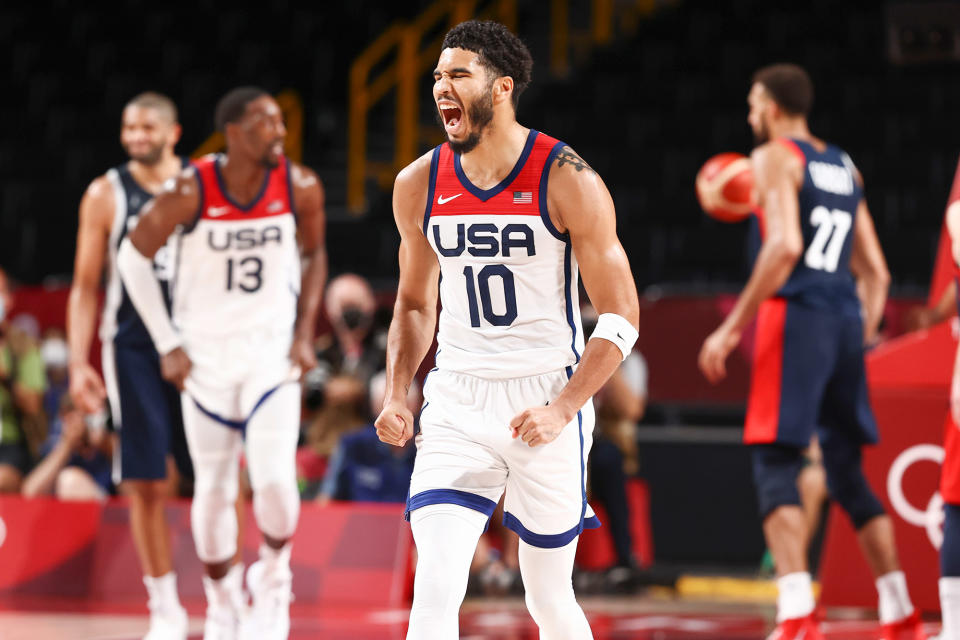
{"type": "Point", "coordinates": [725, 187]}
{"type": "Point", "coordinates": [395, 423]}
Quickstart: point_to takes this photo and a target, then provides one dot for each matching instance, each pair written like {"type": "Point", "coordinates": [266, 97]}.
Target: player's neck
{"type": "Point", "coordinates": [495, 157]}
{"type": "Point", "coordinates": [152, 176]}
{"type": "Point", "coordinates": [243, 177]}
{"type": "Point", "coordinates": [794, 128]}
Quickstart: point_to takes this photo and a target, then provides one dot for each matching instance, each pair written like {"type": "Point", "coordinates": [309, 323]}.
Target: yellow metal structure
{"type": "Point", "coordinates": [406, 50]}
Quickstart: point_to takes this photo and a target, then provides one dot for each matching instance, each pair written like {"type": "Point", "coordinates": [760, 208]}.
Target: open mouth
{"type": "Point", "coordinates": [452, 117]}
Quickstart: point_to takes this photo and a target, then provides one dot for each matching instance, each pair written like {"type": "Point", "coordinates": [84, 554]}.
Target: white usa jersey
{"type": "Point", "coordinates": [509, 278]}
{"type": "Point", "coordinates": [238, 265]}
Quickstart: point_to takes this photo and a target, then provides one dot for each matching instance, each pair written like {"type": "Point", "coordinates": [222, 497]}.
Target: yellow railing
{"type": "Point", "coordinates": [292, 108]}
{"type": "Point", "coordinates": [404, 57]}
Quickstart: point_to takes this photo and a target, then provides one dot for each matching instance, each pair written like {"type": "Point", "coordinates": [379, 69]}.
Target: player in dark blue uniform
{"type": "Point", "coordinates": [144, 407]}
{"type": "Point", "coordinates": [819, 248]}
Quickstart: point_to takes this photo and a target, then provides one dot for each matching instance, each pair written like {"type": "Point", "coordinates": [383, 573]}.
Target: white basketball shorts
{"type": "Point", "coordinates": [466, 455]}
{"type": "Point", "coordinates": [233, 375]}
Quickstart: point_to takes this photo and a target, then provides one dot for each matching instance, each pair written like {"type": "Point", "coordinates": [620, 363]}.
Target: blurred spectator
{"type": "Point", "coordinates": [22, 383]}
{"type": "Point", "coordinates": [336, 391]}
{"type": "Point", "coordinates": [495, 569]}
{"type": "Point", "coordinates": [356, 349]}
{"type": "Point", "coordinates": [56, 360]}
{"type": "Point", "coordinates": [75, 462]}
{"type": "Point", "coordinates": [364, 469]}
{"type": "Point", "coordinates": [619, 404]}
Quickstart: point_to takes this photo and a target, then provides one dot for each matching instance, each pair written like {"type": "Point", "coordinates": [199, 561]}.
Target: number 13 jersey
{"type": "Point", "coordinates": [508, 277]}
{"type": "Point", "coordinates": [239, 265]}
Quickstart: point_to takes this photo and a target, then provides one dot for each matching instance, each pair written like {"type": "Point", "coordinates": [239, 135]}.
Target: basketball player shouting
{"type": "Point", "coordinates": [505, 215]}
{"type": "Point", "coordinates": [241, 328]}
{"type": "Point", "coordinates": [145, 408]}
{"type": "Point", "coordinates": [808, 366]}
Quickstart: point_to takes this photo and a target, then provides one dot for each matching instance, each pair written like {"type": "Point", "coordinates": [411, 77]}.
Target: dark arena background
{"type": "Point", "coordinates": [645, 91]}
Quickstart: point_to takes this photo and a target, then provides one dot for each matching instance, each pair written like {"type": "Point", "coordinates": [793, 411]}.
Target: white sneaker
{"type": "Point", "coordinates": [270, 584]}
{"type": "Point", "coordinates": [168, 619]}
{"type": "Point", "coordinates": [167, 625]}
{"type": "Point", "coordinates": [225, 605]}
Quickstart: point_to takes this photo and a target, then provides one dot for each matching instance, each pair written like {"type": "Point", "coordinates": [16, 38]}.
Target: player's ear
{"type": "Point", "coordinates": [177, 132]}
{"type": "Point", "coordinates": [502, 89]}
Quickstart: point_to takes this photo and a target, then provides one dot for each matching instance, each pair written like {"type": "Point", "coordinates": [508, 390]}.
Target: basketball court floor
{"type": "Point", "coordinates": [650, 617]}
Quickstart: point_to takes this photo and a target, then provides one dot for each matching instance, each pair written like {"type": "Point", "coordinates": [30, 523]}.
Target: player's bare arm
{"type": "Point", "coordinates": [870, 268]}
{"type": "Point", "coordinates": [93, 237]}
{"type": "Point", "coordinates": [308, 197]}
{"type": "Point", "coordinates": [579, 204]}
{"type": "Point", "coordinates": [778, 174]}
{"type": "Point", "coordinates": [415, 312]}
{"type": "Point", "coordinates": [159, 218]}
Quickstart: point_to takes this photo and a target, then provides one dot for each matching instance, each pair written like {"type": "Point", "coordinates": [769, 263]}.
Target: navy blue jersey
{"type": "Point", "coordinates": [828, 197]}
{"type": "Point", "coordinates": [120, 322]}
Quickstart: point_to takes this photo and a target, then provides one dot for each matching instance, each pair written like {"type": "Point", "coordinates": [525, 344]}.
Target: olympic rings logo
{"type": "Point", "coordinates": [930, 518]}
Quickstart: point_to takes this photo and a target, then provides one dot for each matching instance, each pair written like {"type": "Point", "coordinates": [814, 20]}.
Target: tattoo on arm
{"type": "Point", "coordinates": [569, 156]}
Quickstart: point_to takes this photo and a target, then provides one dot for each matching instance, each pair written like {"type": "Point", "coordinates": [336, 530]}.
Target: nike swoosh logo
{"type": "Point", "coordinates": [619, 336]}
{"type": "Point", "coordinates": [442, 200]}
{"type": "Point", "coordinates": [216, 212]}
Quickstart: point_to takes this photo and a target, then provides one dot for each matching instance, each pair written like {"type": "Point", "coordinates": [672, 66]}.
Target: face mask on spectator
{"type": "Point", "coordinates": [354, 318]}
{"type": "Point", "coordinates": [55, 353]}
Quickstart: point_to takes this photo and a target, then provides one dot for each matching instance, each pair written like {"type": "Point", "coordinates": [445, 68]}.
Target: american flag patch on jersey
{"type": "Point", "coordinates": [522, 197]}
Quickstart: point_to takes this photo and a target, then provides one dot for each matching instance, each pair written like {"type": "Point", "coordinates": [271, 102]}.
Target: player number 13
{"type": "Point", "coordinates": [250, 274]}
{"type": "Point", "coordinates": [832, 227]}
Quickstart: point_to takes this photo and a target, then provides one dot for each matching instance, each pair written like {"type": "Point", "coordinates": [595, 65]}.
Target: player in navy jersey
{"type": "Point", "coordinates": [144, 407]}
{"type": "Point", "coordinates": [505, 215]}
{"type": "Point", "coordinates": [819, 248]}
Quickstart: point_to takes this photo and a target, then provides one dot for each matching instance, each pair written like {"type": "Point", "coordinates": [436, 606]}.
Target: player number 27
{"type": "Point", "coordinates": [250, 276]}
{"type": "Point", "coordinates": [482, 283]}
{"type": "Point", "coordinates": [832, 227]}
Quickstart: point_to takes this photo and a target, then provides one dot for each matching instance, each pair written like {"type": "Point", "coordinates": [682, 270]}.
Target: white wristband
{"type": "Point", "coordinates": [617, 330]}
{"type": "Point", "coordinates": [142, 286]}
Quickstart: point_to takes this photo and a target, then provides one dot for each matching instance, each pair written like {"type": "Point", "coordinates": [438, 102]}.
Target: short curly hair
{"type": "Point", "coordinates": [233, 105]}
{"type": "Point", "coordinates": [789, 85]}
{"type": "Point", "coordinates": [498, 49]}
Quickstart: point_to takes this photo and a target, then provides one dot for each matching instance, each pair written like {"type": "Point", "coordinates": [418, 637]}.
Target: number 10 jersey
{"type": "Point", "coordinates": [508, 286]}
{"type": "Point", "coordinates": [239, 265]}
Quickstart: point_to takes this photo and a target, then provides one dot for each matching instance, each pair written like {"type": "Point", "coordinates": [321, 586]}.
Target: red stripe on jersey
{"type": "Point", "coordinates": [518, 194]}
{"type": "Point", "coordinates": [792, 146]}
{"type": "Point", "coordinates": [950, 473]}
{"type": "Point", "coordinates": [763, 406]}
{"type": "Point", "coordinates": [275, 197]}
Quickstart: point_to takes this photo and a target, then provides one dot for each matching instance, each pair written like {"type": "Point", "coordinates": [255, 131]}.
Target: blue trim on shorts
{"type": "Point", "coordinates": [548, 541]}
{"type": "Point", "coordinates": [449, 496]}
{"type": "Point", "coordinates": [239, 425]}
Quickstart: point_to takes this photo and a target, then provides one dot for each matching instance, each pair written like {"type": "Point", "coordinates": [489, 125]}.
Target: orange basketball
{"type": "Point", "coordinates": [725, 187]}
